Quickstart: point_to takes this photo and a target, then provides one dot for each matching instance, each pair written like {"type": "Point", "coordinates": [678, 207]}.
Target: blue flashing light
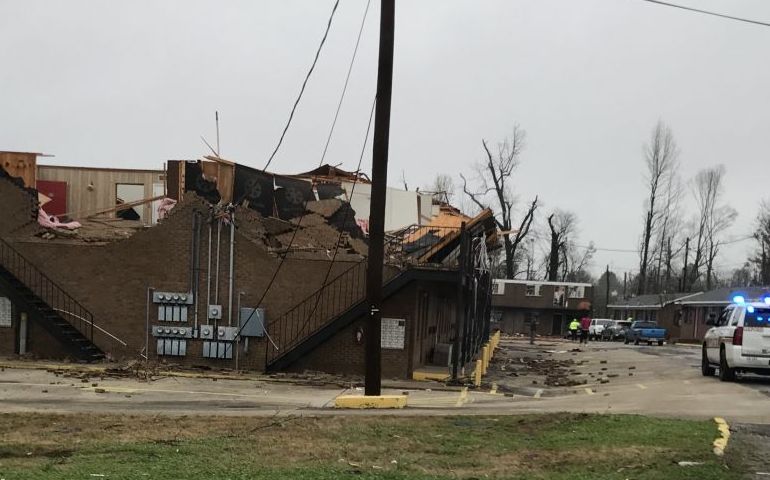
{"type": "Point", "coordinates": [760, 319]}
{"type": "Point", "coordinates": [767, 300]}
{"type": "Point", "coordinates": [739, 299]}
{"type": "Point", "coordinates": [750, 309]}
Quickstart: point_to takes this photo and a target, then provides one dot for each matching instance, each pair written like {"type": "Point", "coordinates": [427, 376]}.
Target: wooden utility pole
{"type": "Point", "coordinates": [607, 292]}
{"type": "Point", "coordinates": [684, 269]}
{"type": "Point", "coordinates": [372, 382]}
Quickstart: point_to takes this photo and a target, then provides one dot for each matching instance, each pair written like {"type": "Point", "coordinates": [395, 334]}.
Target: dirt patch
{"type": "Point", "coordinates": [510, 363]}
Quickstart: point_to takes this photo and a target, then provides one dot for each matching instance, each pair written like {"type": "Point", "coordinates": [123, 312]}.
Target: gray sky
{"type": "Point", "coordinates": [131, 84]}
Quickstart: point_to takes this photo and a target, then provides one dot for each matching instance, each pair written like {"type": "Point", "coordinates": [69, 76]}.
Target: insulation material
{"type": "Point", "coordinates": [164, 207]}
{"type": "Point", "coordinates": [50, 221]}
{"type": "Point", "coordinates": [254, 188]}
{"type": "Point", "coordinates": [400, 206]}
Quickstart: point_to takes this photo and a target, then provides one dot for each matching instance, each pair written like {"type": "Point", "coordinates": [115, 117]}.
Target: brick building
{"type": "Point", "coordinates": [167, 292]}
{"type": "Point", "coordinates": [552, 304]}
{"type": "Point", "coordinates": [696, 309]}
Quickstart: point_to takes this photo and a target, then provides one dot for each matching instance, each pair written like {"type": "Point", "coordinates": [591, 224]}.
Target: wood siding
{"type": "Point", "coordinates": [83, 201]}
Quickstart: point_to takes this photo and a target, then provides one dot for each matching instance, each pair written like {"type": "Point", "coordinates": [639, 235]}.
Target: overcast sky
{"type": "Point", "coordinates": [132, 84]}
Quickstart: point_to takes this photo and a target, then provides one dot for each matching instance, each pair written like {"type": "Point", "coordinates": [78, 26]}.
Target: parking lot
{"type": "Point", "coordinates": [552, 375]}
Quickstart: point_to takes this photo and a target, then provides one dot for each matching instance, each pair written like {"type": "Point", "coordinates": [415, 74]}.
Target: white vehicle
{"type": "Point", "coordinates": [597, 327]}
{"type": "Point", "coordinates": [739, 340]}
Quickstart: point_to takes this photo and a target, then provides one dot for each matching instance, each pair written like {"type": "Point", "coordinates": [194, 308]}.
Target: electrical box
{"type": "Point", "coordinates": [169, 331]}
{"type": "Point", "coordinates": [226, 334]}
{"type": "Point", "coordinates": [172, 347]}
{"type": "Point", "coordinates": [206, 332]}
{"type": "Point", "coordinates": [217, 350]}
{"type": "Point", "coordinates": [172, 307]}
{"type": "Point", "coordinates": [252, 322]}
{"type": "Point", "coordinates": [215, 312]}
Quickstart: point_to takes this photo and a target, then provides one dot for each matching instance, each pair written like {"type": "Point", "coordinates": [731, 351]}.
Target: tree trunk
{"type": "Point", "coordinates": [509, 252]}
{"type": "Point", "coordinates": [641, 288]}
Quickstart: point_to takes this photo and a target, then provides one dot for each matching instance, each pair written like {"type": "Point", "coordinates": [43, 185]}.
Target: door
{"type": "Point", "coordinates": [556, 326]}
{"type": "Point", "coordinates": [714, 335]}
{"type": "Point", "coordinates": [22, 333]}
{"type": "Point", "coordinates": [57, 192]}
{"type": "Point", "coordinates": [756, 332]}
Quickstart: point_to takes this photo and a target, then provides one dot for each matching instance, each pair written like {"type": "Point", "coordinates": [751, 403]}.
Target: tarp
{"type": "Point", "coordinates": [254, 187]}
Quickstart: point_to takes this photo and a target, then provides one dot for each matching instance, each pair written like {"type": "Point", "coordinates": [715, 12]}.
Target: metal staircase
{"type": "Point", "coordinates": [44, 301]}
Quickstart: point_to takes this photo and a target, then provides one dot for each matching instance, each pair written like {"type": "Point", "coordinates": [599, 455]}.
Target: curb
{"type": "Point", "coordinates": [720, 444]}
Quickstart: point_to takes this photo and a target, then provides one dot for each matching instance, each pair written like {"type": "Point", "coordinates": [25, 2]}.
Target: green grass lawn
{"type": "Point", "coordinates": [563, 446]}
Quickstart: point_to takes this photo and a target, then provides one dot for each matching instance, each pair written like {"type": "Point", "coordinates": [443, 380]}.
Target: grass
{"type": "Point", "coordinates": [563, 446]}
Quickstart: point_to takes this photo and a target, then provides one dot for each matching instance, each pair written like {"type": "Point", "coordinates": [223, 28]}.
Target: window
{"type": "Point", "coordinates": [498, 288]}
{"type": "Point", "coordinates": [533, 290]}
{"type": "Point", "coordinates": [576, 292]}
{"type": "Point", "coordinates": [724, 318]}
{"type": "Point", "coordinates": [5, 312]}
{"type": "Point", "coordinates": [558, 296]}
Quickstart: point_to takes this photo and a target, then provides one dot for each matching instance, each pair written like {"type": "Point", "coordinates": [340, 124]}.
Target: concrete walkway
{"type": "Point", "coordinates": [659, 381]}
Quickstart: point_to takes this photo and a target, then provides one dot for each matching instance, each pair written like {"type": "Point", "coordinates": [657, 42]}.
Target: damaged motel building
{"type": "Point", "coordinates": [212, 263]}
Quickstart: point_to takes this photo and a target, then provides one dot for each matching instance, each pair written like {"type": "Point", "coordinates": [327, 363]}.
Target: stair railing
{"type": "Point", "coordinates": [335, 297]}
{"type": "Point", "coordinates": [46, 289]}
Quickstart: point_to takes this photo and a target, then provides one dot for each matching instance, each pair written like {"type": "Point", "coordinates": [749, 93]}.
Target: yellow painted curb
{"type": "Point", "coordinates": [373, 401]}
{"type": "Point", "coordinates": [720, 444]}
{"type": "Point", "coordinates": [436, 376]}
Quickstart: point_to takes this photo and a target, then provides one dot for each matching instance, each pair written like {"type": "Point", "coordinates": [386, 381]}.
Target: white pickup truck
{"type": "Point", "coordinates": [739, 340]}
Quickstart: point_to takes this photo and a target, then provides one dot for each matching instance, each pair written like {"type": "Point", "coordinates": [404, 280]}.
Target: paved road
{"type": "Point", "coordinates": [662, 381]}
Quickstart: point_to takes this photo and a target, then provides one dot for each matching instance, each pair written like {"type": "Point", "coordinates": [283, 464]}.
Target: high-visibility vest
{"type": "Point", "coordinates": [574, 325]}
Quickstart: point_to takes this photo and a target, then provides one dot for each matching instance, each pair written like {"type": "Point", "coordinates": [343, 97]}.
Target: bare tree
{"type": "Point", "coordinates": [668, 234]}
{"type": "Point", "coordinates": [561, 224]}
{"type": "Point", "coordinates": [443, 188]}
{"type": "Point", "coordinates": [494, 176]}
{"type": "Point", "coordinates": [576, 262]}
{"type": "Point", "coordinates": [761, 258]}
{"type": "Point", "coordinates": [713, 219]}
{"type": "Point", "coordinates": [660, 156]}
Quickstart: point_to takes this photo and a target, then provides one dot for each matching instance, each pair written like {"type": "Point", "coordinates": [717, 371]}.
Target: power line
{"type": "Point", "coordinates": [304, 84]}
{"type": "Point", "coordinates": [346, 217]}
{"type": "Point", "coordinates": [331, 131]}
{"type": "Point", "coordinates": [707, 12]}
{"type": "Point", "coordinates": [347, 79]}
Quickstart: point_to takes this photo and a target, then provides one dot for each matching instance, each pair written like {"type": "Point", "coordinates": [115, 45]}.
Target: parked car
{"type": "Point", "coordinates": [738, 341]}
{"type": "Point", "coordinates": [616, 330]}
{"type": "Point", "coordinates": [641, 331]}
{"type": "Point", "coordinates": [597, 327]}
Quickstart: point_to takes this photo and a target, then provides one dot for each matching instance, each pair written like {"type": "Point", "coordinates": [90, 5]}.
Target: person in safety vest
{"type": "Point", "coordinates": [574, 326]}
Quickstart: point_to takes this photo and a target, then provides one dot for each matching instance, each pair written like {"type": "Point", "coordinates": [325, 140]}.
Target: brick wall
{"type": "Point", "coordinates": [112, 279]}
{"type": "Point", "coordinates": [429, 309]}
{"type": "Point", "coordinates": [19, 208]}
{"type": "Point", "coordinates": [343, 354]}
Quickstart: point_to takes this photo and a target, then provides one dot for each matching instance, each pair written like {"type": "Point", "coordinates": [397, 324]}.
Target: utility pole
{"type": "Point", "coordinates": [607, 305]}
{"type": "Point", "coordinates": [684, 269]}
{"type": "Point", "coordinates": [372, 382]}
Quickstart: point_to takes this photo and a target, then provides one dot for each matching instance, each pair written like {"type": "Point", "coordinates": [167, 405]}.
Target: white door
{"type": "Point", "coordinates": [715, 335]}
{"type": "Point", "coordinates": [756, 332]}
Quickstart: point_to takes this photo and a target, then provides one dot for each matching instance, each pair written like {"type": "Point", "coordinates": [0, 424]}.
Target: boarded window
{"type": "Point", "coordinates": [533, 290]}
{"type": "Point", "coordinates": [5, 312]}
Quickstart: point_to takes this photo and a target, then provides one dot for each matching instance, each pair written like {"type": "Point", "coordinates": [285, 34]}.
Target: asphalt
{"type": "Point", "coordinates": [615, 378]}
